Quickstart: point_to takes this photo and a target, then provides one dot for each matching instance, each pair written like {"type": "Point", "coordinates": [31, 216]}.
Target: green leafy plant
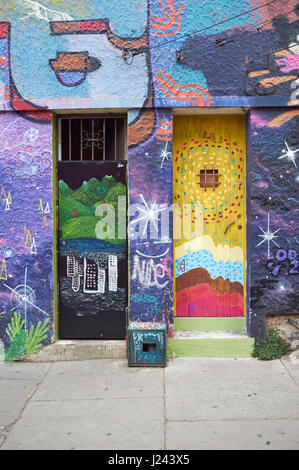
{"type": "Point", "coordinates": [16, 335]}
{"type": "Point", "coordinates": [15, 351]}
{"type": "Point", "coordinates": [15, 326]}
{"type": "Point", "coordinates": [273, 347]}
{"type": "Point", "coordinates": [24, 342]}
{"type": "Point", "coordinates": [35, 336]}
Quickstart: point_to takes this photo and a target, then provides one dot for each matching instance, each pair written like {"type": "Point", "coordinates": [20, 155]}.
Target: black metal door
{"type": "Point", "coordinates": [92, 250]}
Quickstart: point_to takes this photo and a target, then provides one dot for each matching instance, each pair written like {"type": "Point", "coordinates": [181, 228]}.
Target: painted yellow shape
{"type": "Point", "coordinates": [205, 242]}
{"type": "Point", "coordinates": [40, 207]}
{"type": "Point", "coordinates": [3, 274]}
{"type": "Point", "coordinates": [28, 241]}
{"type": "Point", "coordinates": [210, 142]}
{"type": "Point", "coordinates": [8, 199]}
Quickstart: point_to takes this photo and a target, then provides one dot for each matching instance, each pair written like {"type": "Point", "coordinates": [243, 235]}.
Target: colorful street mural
{"type": "Point", "coordinates": [150, 56]}
{"type": "Point", "coordinates": [274, 210]}
{"type": "Point", "coordinates": [26, 238]}
{"type": "Point", "coordinates": [164, 52]}
{"type": "Point", "coordinates": [150, 225]}
{"type": "Point", "coordinates": [209, 192]}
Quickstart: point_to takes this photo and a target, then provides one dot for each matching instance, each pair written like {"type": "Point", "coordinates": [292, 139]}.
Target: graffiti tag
{"type": "Point", "coordinates": [284, 258]}
{"type": "Point", "coordinates": [148, 273]}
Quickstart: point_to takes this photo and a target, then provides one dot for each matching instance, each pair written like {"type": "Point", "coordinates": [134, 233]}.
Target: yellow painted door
{"type": "Point", "coordinates": [209, 215]}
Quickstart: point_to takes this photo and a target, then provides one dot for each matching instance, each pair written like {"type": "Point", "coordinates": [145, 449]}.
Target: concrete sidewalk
{"type": "Point", "coordinates": [193, 403]}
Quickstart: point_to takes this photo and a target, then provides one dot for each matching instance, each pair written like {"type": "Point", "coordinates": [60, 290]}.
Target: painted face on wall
{"type": "Point", "coordinates": [109, 69]}
{"type": "Point", "coordinates": [57, 61]}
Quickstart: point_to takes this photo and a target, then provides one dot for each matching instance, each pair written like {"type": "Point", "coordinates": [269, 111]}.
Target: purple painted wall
{"type": "Point", "coordinates": [150, 245]}
{"type": "Point", "coordinates": [273, 214]}
{"type": "Point", "coordinates": [26, 235]}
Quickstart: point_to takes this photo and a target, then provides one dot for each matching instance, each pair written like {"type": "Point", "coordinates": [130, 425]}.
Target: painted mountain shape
{"type": "Point", "coordinates": [197, 294]}
{"type": "Point", "coordinates": [94, 190]}
{"type": "Point", "coordinates": [64, 188]}
{"type": "Point", "coordinates": [69, 208]}
{"type": "Point", "coordinates": [109, 181]}
{"type": "Point", "coordinates": [112, 196]}
{"type": "Point", "coordinates": [77, 208]}
{"type": "Point", "coordinates": [201, 276]}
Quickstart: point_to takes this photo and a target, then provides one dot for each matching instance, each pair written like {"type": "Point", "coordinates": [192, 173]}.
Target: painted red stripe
{"type": "Point", "coordinates": [3, 30]}
{"type": "Point", "coordinates": [24, 106]}
{"type": "Point", "coordinates": [193, 293]}
{"type": "Point", "coordinates": [45, 116]}
{"type": "Point", "coordinates": [95, 26]}
{"type": "Point", "coordinates": [206, 306]}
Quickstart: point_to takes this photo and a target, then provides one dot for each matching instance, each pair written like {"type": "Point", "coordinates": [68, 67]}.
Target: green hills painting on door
{"type": "Point", "coordinates": [77, 208]}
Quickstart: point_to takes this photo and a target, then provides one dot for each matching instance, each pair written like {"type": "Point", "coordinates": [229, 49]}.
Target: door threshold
{"type": "Point", "coordinates": [80, 350]}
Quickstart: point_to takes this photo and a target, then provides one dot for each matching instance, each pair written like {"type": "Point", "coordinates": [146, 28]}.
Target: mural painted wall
{"type": "Point", "coordinates": [58, 54]}
{"type": "Point", "coordinates": [26, 237]}
{"type": "Point", "coordinates": [274, 210]}
{"type": "Point", "coordinates": [150, 224]}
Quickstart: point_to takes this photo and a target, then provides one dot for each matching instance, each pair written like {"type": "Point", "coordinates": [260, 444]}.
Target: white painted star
{"type": "Point", "coordinates": [150, 214]}
{"type": "Point", "coordinates": [164, 155]}
{"type": "Point", "coordinates": [268, 236]}
{"type": "Point", "coordinates": [290, 154]}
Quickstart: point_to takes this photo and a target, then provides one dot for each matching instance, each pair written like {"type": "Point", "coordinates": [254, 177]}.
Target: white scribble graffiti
{"type": "Point", "coordinates": [23, 296]}
{"type": "Point", "coordinates": [148, 273]}
{"type": "Point", "coordinates": [44, 13]}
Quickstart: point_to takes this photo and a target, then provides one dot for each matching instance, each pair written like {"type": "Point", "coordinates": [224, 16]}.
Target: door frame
{"type": "Point", "coordinates": [56, 143]}
{"type": "Point", "coordinates": [232, 111]}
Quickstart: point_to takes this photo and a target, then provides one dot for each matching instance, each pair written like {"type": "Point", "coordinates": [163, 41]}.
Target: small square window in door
{"type": "Point", "coordinates": [209, 179]}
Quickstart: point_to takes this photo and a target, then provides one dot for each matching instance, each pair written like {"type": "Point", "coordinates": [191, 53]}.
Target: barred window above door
{"type": "Point", "coordinates": [96, 138]}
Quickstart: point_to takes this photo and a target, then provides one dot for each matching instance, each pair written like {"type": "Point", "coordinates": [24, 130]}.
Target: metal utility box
{"type": "Point", "coordinates": [147, 344]}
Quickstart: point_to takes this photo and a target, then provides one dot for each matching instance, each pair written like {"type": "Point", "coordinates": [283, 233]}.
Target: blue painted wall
{"type": "Point", "coordinates": [179, 53]}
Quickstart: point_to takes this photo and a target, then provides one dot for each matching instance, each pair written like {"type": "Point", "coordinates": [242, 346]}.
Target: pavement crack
{"type": "Point", "coordinates": [30, 396]}
{"type": "Point", "coordinates": [289, 373]}
{"type": "Point", "coordinates": [61, 400]}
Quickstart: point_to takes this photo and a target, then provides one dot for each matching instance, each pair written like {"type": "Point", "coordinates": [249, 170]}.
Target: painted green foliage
{"type": "Point", "coordinates": [77, 208]}
{"type": "Point", "coordinates": [23, 342]}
